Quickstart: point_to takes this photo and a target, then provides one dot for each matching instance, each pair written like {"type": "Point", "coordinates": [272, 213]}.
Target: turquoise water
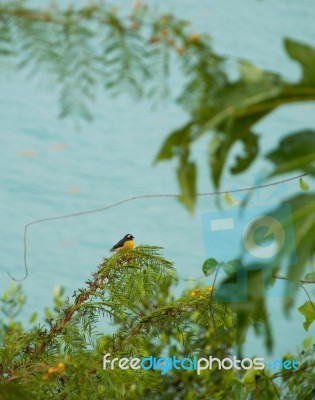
{"type": "Point", "coordinates": [49, 168]}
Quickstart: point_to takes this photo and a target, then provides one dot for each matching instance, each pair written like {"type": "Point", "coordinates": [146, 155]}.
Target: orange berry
{"type": "Point", "coordinates": [180, 50]}
{"type": "Point", "coordinates": [154, 40]}
{"type": "Point", "coordinates": [61, 367]}
{"type": "Point", "coordinates": [194, 37]}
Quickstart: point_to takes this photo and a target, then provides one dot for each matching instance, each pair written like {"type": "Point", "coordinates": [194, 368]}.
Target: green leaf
{"type": "Point", "coordinates": [310, 276]}
{"type": "Point", "coordinates": [48, 313]}
{"type": "Point", "coordinates": [230, 200]}
{"type": "Point", "coordinates": [295, 152]}
{"type": "Point", "coordinates": [308, 310]}
{"type": "Point", "coordinates": [58, 291]}
{"type": "Point", "coordinates": [303, 185]}
{"type": "Point", "coordinates": [5, 296]}
{"type": "Point", "coordinates": [250, 72]}
{"type": "Point", "coordinates": [209, 266]}
{"type": "Point", "coordinates": [307, 342]}
{"type": "Point", "coordinates": [33, 318]}
{"type": "Point", "coordinates": [251, 377]}
{"type": "Point", "coordinates": [231, 266]}
{"type": "Point", "coordinates": [221, 144]}
{"type": "Point", "coordinates": [298, 249]}
{"type": "Point", "coordinates": [173, 144]}
{"type": "Point", "coordinates": [186, 174]}
{"type": "Point", "coordinates": [303, 219]}
{"type": "Point", "coordinates": [251, 148]}
{"type": "Point", "coordinates": [219, 147]}
{"type": "Point", "coordinates": [305, 56]}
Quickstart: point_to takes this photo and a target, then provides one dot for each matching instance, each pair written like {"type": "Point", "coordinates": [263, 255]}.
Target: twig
{"type": "Point", "coordinates": [300, 284]}
{"type": "Point", "coordinates": [291, 372]}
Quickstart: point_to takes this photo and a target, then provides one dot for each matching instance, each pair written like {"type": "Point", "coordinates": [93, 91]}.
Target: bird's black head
{"type": "Point", "coordinates": [129, 237]}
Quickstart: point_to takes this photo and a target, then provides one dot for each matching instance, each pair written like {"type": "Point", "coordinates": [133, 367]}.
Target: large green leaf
{"type": "Point", "coordinates": [209, 266]}
{"type": "Point", "coordinates": [174, 143]}
{"type": "Point", "coordinates": [243, 161]}
{"type": "Point", "coordinates": [233, 108]}
{"type": "Point", "coordinates": [219, 148]}
{"type": "Point", "coordinates": [308, 310]}
{"type": "Point", "coordinates": [310, 276]}
{"type": "Point", "coordinates": [305, 56]}
{"type": "Point", "coordinates": [303, 219]}
{"type": "Point", "coordinates": [296, 152]}
{"type": "Point", "coordinates": [300, 253]}
{"type": "Point", "coordinates": [252, 307]}
{"type": "Point", "coordinates": [232, 266]}
{"type": "Point", "coordinates": [186, 174]}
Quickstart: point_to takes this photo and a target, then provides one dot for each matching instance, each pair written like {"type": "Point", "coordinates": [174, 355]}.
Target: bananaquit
{"type": "Point", "coordinates": [125, 243]}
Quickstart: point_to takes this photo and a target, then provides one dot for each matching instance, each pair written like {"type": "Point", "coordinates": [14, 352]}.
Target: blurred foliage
{"type": "Point", "coordinates": [62, 356]}
{"type": "Point", "coordinates": [83, 48]}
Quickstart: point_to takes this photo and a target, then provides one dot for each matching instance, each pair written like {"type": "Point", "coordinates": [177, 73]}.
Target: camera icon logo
{"type": "Point", "coordinates": [270, 228]}
{"type": "Point", "coordinates": [261, 238]}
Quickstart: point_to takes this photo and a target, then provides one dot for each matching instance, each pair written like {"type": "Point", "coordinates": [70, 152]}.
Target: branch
{"type": "Point", "coordinates": [302, 281]}
{"type": "Point", "coordinates": [291, 372]}
{"type": "Point", "coordinates": [84, 296]}
{"type": "Point", "coordinates": [300, 284]}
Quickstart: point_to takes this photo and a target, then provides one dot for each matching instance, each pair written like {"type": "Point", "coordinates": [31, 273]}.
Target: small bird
{"type": "Point", "coordinates": [125, 243]}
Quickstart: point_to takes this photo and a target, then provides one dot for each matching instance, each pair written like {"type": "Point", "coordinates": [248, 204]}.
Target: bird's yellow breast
{"type": "Point", "coordinates": [128, 244]}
